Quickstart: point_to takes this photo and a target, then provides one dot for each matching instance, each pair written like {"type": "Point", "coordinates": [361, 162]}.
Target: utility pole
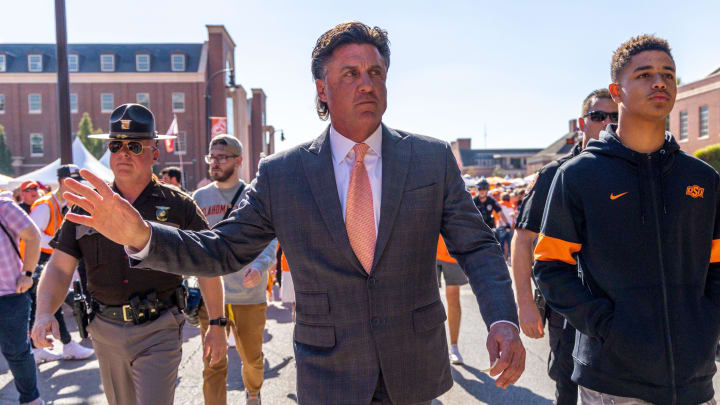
{"type": "Point", "coordinates": [63, 84]}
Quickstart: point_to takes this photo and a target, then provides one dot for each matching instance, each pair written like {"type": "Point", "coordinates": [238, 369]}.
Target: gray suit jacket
{"type": "Point", "coordinates": [351, 325]}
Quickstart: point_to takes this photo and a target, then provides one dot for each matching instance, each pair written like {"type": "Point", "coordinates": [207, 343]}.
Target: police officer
{"type": "Point", "coordinates": [136, 325]}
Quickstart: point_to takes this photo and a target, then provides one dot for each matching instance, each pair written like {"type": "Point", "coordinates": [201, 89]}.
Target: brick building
{"type": "Point", "coordinates": [695, 119]}
{"type": "Point", "coordinates": [170, 78]}
{"type": "Point", "coordinates": [557, 149]}
{"type": "Point", "coordinates": [489, 162]}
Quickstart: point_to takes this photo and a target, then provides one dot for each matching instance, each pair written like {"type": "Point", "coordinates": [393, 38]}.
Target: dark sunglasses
{"type": "Point", "coordinates": [133, 146]}
{"type": "Point", "coordinates": [600, 116]}
{"type": "Point", "coordinates": [31, 189]}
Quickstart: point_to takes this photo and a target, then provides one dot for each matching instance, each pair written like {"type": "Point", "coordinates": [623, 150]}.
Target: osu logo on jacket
{"type": "Point", "coordinates": [695, 191]}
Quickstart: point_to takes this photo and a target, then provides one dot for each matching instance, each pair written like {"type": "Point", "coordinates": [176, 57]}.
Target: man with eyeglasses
{"type": "Point", "coordinates": [136, 324]}
{"type": "Point", "coordinates": [598, 110]}
{"type": "Point", "coordinates": [244, 290]}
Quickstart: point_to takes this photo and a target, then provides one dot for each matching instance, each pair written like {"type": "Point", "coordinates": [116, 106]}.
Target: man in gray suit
{"type": "Point", "coordinates": [360, 235]}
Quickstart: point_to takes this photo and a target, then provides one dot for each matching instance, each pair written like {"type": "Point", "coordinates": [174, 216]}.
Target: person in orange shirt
{"type": "Point", "coordinates": [287, 288]}
{"type": "Point", "coordinates": [454, 276]}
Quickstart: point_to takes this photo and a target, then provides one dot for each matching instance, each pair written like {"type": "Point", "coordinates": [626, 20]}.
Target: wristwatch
{"type": "Point", "coordinates": [29, 274]}
{"type": "Point", "coordinates": [219, 321]}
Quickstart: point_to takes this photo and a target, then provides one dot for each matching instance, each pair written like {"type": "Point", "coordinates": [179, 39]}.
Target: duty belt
{"type": "Point", "coordinates": [125, 312]}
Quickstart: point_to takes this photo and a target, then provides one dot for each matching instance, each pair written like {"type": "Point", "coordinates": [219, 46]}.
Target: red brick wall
{"type": "Point", "coordinates": [692, 105]}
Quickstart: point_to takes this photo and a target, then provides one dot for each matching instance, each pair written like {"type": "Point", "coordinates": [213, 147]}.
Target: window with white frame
{"type": "Point", "coordinates": [35, 63]}
{"type": "Point", "coordinates": [177, 62]}
{"type": "Point", "coordinates": [2, 104]}
{"type": "Point", "coordinates": [73, 63]}
{"type": "Point", "coordinates": [73, 103]}
{"type": "Point", "coordinates": [704, 122]}
{"type": "Point", "coordinates": [107, 102]}
{"type": "Point", "coordinates": [178, 102]}
{"type": "Point", "coordinates": [37, 147]}
{"type": "Point", "coordinates": [107, 62]}
{"type": "Point", "coordinates": [3, 63]}
{"type": "Point", "coordinates": [683, 125]}
{"type": "Point", "coordinates": [181, 143]}
{"type": "Point", "coordinates": [34, 103]}
{"type": "Point", "coordinates": [142, 62]}
{"type": "Point", "coordinates": [143, 99]}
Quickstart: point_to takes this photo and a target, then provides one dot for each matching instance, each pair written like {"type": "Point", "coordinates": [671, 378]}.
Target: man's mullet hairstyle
{"type": "Point", "coordinates": [595, 94]}
{"type": "Point", "coordinates": [632, 47]}
{"type": "Point", "coordinates": [353, 32]}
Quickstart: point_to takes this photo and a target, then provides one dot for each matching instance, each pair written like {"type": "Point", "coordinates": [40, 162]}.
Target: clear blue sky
{"type": "Point", "coordinates": [522, 68]}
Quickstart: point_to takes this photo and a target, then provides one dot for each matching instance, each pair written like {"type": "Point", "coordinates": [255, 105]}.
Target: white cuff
{"type": "Point", "coordinates": [139, 254]}
{"type": "Point", "coordinates": [496, 322]}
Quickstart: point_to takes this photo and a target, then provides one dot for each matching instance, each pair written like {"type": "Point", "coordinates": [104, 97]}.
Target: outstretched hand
{"type": "Point", "coordinates": [109, 213]}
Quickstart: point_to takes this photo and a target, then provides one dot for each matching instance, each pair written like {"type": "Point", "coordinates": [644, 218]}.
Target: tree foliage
{"type": "Point", "coordinates": [710, 154]}
{"type": "Point", "coordinates": [5, 155]}
{"type": "Point", "coordinates": [85, 127]}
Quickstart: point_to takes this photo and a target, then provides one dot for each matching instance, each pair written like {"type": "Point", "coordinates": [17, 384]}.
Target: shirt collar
{"type": "Point", "coordinates": [341, 146]}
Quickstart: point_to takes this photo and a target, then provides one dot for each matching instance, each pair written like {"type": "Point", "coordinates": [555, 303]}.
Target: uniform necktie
{"type": "Point", "coordinates": [359, 213]}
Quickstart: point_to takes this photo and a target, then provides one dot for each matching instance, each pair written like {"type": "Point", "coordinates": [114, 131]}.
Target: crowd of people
{"type": "Point", "coordinates": [621, 238]}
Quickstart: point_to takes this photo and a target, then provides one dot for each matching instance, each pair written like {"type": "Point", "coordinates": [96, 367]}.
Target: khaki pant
{"type": "Point", "coordinates": [247, 327]}
{"type": "Point", "coordinates": [590, 397]}
{"type": "Point", "coordinates": [139, 363]}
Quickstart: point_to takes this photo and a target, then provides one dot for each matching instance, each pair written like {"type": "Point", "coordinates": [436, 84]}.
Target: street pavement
{"type": "Point", "coordinates": [78, 382]}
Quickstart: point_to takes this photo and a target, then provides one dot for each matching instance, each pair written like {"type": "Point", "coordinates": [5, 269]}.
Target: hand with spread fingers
{"type": "Point", "coordinates": [507, 354]}
{"type": "Point", "coordinates": [109, 213]}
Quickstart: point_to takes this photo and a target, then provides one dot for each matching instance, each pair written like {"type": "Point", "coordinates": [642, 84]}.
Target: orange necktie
{"type": "Point", "coordinates": [359, 213]}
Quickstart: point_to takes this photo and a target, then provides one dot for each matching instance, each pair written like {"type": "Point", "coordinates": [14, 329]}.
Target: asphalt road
{"type": "Point", "coordinates": [78, 382]}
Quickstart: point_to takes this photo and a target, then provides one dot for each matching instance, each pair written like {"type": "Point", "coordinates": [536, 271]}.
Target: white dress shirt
{"type": "Point", "coordinates": [343, 157]}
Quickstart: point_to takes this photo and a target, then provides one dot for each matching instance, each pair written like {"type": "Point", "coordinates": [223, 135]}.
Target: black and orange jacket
{"type": "Point", "coordinates": [645, 231]}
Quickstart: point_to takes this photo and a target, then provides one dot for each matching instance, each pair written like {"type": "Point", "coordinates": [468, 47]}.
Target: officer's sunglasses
{"type": "Point", "coordinates": [600, 116]}
{"type": "Point", "coordinates": [133, 146]}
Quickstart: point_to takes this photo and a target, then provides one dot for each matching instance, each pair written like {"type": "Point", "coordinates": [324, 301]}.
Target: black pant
{"type": "Point", "coordinates": [64, 333]}
{"type": "Point", "coordinates": [560, 360]}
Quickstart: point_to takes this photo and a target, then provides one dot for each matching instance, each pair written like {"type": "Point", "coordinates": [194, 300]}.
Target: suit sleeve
{"type": "Point", "coordinates": [713, 276]}
{"type": "Point", "coordinates": [477, 251]}
{"type": "Point", "coordinates": [228, 247]}
{"type": "Point", "coordinates": [556, 266]}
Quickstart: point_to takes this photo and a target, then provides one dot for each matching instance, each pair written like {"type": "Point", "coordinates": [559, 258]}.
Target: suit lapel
{"type": "Point", "coordinates": [318, 165]}
{"type": "Point", "coordinates": [396, 151]}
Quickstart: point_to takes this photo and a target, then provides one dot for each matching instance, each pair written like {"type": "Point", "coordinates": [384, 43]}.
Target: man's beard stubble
{"type": "Point", "coordinates": [221, 176]}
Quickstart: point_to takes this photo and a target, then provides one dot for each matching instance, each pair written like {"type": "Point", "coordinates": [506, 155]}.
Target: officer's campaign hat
{"type": "Point", "coordinates": [132, 122]}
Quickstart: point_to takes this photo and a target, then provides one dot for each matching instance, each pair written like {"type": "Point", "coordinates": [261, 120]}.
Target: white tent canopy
{"type": "Point", "coordinates": [105, 158]}
{"type": "Point", "coordinates": [5, 179]}
{"type": "Point", "coordinates": [81, 157]}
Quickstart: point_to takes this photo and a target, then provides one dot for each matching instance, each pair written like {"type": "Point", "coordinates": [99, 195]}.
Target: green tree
{"type": "Point", "coordinates": [710, 154]}
{"type": "Point", "coordinates": [5, 155]}
{"type": "Point", "coordinates": [85, 128]}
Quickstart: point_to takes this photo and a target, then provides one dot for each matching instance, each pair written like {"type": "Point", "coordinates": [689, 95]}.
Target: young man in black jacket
{"type": "Point", "coordinates": [641, 220]}
{"type": "Point", "coordinates": [598, 110]}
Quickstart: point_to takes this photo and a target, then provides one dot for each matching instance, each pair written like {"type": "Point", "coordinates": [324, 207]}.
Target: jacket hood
{"type": "Point", "coordinates": [609, 144]}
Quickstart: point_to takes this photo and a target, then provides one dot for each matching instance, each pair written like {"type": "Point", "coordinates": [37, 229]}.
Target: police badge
{"type": "Point", "coordinates": [161, 213]}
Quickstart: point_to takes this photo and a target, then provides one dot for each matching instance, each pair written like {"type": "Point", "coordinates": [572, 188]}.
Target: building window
{"type": "Point", "coordinates": [177, 62]}
{"type": "Point", "coordinates": [36, 145]}
{"type": "Point", "coordinates": [107, 62]}
{"type": "Point", "coordinates": [3, 63]}
{"type": "Point", "coordinates": [143, 99]}
{"type": "Point", "coordinates": [683, 125]}
{"type": "Point", "coordinates": [704, 118]}
{"type": "Point", "coordinates": [73, 103]}
{"type": "Point", "coordinates": [34, 103]}
{"type": "Point", "coordinates": [35, 63]}
{"type": "Point", "coordinates": [178, 102]}
{"type": "Point", "coordinates": [2, 104]}
{"type": "Point", "coordinates": [142, 63]}
{"type": "Point", "coordinates": [181, 143]}
{"type": "Point", "coordinates": [107, 102]}
{"type": "Point", "coordinates": [73, 63]}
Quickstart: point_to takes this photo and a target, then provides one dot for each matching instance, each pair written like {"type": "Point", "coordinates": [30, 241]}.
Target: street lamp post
{"type": "Point", "coordinates": [207, 98]}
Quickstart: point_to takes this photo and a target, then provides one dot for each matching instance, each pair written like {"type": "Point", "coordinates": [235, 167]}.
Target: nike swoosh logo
{"type": "Point", "coordinates": [616, 196]}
